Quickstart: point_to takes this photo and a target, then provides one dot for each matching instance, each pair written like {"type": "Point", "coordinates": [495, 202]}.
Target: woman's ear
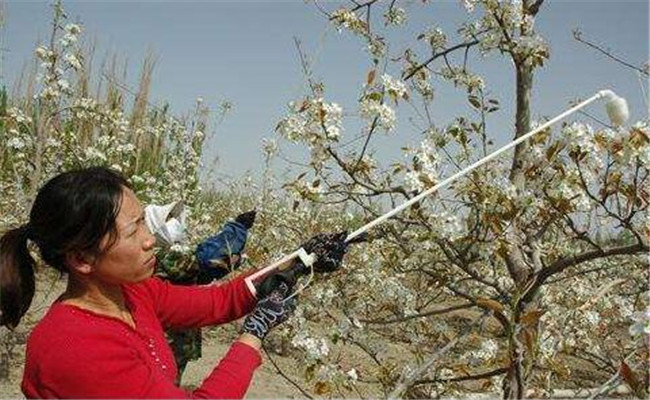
{"type": "Point", "coordinates": [80, 263]}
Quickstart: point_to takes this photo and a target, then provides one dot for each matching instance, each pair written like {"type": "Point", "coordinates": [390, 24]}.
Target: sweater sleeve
{"type": "Point", "coordinates": [180, 307]}
{"type": "Point", "coordinates": [116, 371]}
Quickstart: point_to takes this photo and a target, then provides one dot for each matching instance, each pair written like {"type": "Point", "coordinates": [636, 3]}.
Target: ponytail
{"type": "Point", "coordinates": [16, 276]}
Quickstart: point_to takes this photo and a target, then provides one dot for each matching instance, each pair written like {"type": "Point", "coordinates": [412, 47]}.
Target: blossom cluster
{"type": "Point", "coordinates": [315, 348]}
{"type": "Point", "coordinates": [393, 86]}
{"type": "Point", "coordinates": [425, 169]}
{"type": "Point", "coordinates": [312, 121]}
{"type": "Point", "coordinates": [461, 77]}
{"type": "Point", "coordinates": [395, 16]}
{"type": "Point", "coordinates": [436, 38]}
{"type": "Point", "coordinates": [371, 108]}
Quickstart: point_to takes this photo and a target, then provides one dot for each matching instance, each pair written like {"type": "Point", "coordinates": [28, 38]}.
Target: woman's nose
{"type": "Point", "coordinates": [149, 241]}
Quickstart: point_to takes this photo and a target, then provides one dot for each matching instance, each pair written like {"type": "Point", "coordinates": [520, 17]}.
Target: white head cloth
{"type": "Point", "coordinates": [167, 223]}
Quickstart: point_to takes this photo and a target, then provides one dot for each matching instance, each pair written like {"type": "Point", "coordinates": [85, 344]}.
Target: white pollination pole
{"type": "Point", "coordinates": [617, 112]}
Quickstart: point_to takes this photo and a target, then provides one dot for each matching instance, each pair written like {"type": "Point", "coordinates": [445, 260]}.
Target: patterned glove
{"type": "Point", "coordinates": [329, 249]}
{"type": "Point", "coordinates": [275, 279]}
{"type": "Point", "coordinates": [247, 219]}
{"type": "Point", "coordinates": [269, 313]}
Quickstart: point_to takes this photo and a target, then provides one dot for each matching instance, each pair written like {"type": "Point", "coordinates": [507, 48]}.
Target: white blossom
{"type": "Point", "coordinates": [393, 85]}
{"type": "Point", "coordinates": [395, 16]}
{"type": "Point", "coordinates": [73, 29]}
{"type": "Point", "coordinates": [18, 115]}
{"type": "Point", "coordinates": [44, 53]}
{"type": "Point", "coordinates": [63, 84]}
{"type": "Point", "coordinates": [641, 325]}
{"type": "Point", "coordinates": [446, 225]}
{"type": "Point", "coordinates": [344, 18]}
{"type": "Point", "coordinates": [352, 374]}
{"type": "Point", "coordinates": [333, 120]}
{"type": "Point", "coordinates": [376, 47]}
{"type": "Point", "coordinates": [93, 154]}
{"type": "Point", "coordinates": [73, 61]}
{"type": "Point", "coordinates": [315, 348]}
{"type": "Point", "coordinates": [15, 143]}
{"type": "Point", "coordinates": [446, 373]}
{"type": "Point", "coordinates": [181, 248]}
{"type": "Point", "coordinates": [436, 38]}
{"type": "Point", "coordinates": [269, 147]}
{"type": "Point", "coordinates": [469, 5]}
{"type": "Point", "coordinates": [487, 351]}
{"type": "Point", "coordinates": [592, 317]}
{"type": "Point", "coordinates": [370, 109]}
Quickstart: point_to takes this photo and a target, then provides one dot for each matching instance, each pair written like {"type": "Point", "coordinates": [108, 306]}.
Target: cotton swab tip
{"type": "Point", "coordinates": [616, 108]}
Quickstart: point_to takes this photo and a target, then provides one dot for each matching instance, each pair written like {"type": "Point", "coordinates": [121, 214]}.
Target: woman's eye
{"type": "Point", "coordinates": [139, 223]}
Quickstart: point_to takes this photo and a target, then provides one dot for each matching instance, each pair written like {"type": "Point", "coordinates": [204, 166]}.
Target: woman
{"type": "Point", "coordinates": [103, 337]}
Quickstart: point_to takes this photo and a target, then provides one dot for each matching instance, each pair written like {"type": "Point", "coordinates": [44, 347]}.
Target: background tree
{"type": "Point", "coordinates": [550, 242]}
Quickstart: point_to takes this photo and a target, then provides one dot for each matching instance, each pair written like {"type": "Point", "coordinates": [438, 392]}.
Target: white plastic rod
{"type": "Point", "coordinates": [308, 259]}
{"type": "Point", "coordinates": [463, 172]}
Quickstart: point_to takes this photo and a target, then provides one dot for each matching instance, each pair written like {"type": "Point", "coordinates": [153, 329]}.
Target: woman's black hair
{"type": "Point", "coordinates": [72, 213]}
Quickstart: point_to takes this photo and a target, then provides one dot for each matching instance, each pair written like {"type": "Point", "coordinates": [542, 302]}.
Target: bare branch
{"type": "Point", "coordinates": [365, 144]}
{"type": "Point", "coordinates": [352, 175]}
{"type": "Point", "coordinates": [577, 35]}
{"type": "Point", "coordinates": [420, 315]}
{"type": "Point", "coordinates": [495, 372]}
{"type": "Point", "coordinates": [567, 262]}
{"type": "Point", "coordinates": [407, 380]}
{"type": "Point", "coordinates": [437, 55]}
{"type": "Point", "coordinates": [359, 6]}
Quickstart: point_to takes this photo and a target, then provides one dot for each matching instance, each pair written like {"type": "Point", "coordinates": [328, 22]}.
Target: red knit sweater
{"type": "Point", "coordinates": [75, 353]}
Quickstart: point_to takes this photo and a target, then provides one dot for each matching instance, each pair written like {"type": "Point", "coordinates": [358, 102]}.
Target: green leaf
{"type": "Point", "coordinates": [374, 96]}
{"type": "Point", "coordinates": [474, 101]}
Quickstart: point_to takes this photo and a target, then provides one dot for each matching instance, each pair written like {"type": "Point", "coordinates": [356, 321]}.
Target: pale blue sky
{"type": "Point", "coordinates": [244, 52]}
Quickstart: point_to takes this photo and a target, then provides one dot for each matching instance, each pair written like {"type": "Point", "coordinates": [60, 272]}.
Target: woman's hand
{"type": "Point", "coordinates": [269, 312]}
{"type": "Point", "coordinates": [329, 249]}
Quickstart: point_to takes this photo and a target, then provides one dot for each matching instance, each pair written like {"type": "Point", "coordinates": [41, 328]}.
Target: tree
{"type": "Point", "coordinates": [568, 207]}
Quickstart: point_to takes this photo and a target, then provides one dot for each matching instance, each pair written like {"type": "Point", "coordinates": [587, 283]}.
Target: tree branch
{"type": "Point", "coordinates": [565, 263]}
{"type": "Point", "coordinates": [577, 35]}
{"type": "Point", "coordinates": [498, 371]}
{"type": "Point", "coordinates": [420, 315]}
{"type": "Point", "coordinates": [359, 6]}
{"type": "Point", "coordinates": [437, 55]}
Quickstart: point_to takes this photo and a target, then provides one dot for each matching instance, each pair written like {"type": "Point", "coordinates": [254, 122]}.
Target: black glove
{"type": "Point", "coordinates": [269, 313]}
{"type": "Point", "coordinates": [275, 279]}
{"type": "Point", "coordinates": [329, 249]}
{"type": "Point", "coordinates": [318, 244]}
{"type": "Point", "coordinates": [247, 219]}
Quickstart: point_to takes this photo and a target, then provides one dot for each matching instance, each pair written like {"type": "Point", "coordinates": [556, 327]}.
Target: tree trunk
{"type": "Point", "coordinates": [514, 384]}
{"type": "Point", "coordinates": [522, 119]}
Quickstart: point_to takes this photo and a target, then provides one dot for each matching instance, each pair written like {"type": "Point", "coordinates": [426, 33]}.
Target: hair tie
{"type": "Point", "coordinates": [27, 230]}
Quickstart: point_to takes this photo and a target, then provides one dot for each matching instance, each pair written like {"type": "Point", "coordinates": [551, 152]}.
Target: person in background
{"type": "Point", "coordinates": [104, 336]}
{"type": "Point", "coordinates": [216, 257]}
{"type": "Point", "coordinates": [222, 253]}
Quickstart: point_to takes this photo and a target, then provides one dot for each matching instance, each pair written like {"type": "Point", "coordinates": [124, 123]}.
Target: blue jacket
{"type": "Point", "coordinates": [230, 241]}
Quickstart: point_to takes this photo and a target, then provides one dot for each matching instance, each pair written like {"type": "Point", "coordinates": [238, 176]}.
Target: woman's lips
{"type": "Point", "coordinates": [151, 262]}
